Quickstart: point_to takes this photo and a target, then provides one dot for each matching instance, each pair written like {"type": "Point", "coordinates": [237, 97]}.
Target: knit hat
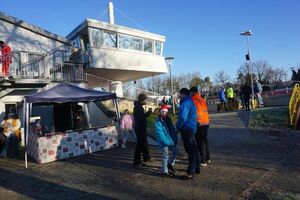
{"type": "Point", "coordinates": [164, 108]}
{"type": "Point", "coordinates": [193, 89]}
{"type": "Point", "coordinates": [142, 97]}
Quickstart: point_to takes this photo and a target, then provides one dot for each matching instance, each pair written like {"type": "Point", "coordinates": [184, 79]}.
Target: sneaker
{"type": "Point", "coordinates": [123, 146]}
{"type": "Point", "coordinates": [197, 171]}
{"type": "Point", "coordinates": [188, 177]}
{"type": "Point", "coordinates": [139, 165]}
{"type": "Point", "coordinates": [203, 164]}
{"type": "Point", "coordinates": [166, 175]}
{"type": "Point", "coordinates": [171, 169]}
{"type": "Point", "coordinates": [150, 160]}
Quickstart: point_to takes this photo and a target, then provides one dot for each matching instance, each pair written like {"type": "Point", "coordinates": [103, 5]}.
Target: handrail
{"type": "Point", "coordinates": [294, 106]}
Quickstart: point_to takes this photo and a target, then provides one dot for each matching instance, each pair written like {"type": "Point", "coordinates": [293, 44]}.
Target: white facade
{"type": "Point", "coordinates": [120, 53]}
{"type": "Point", "coordinates": [25, 37]}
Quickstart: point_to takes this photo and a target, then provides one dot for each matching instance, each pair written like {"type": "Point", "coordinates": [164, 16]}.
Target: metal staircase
{"type": "Point", "coordinates": [35, 68]}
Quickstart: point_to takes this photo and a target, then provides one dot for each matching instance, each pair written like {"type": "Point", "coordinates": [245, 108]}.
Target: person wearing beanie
{"type": "Point", "coordinates": [140, 128]}
{"type": "Point", "coordinates": [202, 125]}
{"type": "Point", "coordinates": [187, 125]}
{"type": "Point", "coordinates": [166, 138]}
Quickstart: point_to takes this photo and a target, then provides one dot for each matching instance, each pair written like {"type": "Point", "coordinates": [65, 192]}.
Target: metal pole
{"type": "Point", "coordinates": [250, 67]}
{"type": "Point", "coordinates": [172, 92]}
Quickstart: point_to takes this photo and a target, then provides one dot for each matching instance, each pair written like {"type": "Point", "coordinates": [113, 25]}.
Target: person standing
{"type": "Point", "coordinates": [222, 98]}
{"type": "Point", "coordinates": [11, 125]}
{"type": "Point", "coordinates": [6, 58]}
{"type": "Point", "coordinates": [166, 138]}
{"type": "Point", "coordinates": [258, 90]}
{"type": "Point", "coordinates": [140, 128]}
{"type": "Point", "coordinates": [229, 92]}
{"type": "Point", "coordinates": [202, 125]}
{"type": "Point", "coordinates": [187, 125]}
{"type": "Point", "coordinates": [246, 90]}
{"type": "Point", "coordinates": [126, 127]}
{"type": "Point", "coordinates": [79, 118]}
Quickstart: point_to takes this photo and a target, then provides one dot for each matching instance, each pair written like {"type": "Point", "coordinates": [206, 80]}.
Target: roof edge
{"type": "Point", "coordinates": [33, 28]}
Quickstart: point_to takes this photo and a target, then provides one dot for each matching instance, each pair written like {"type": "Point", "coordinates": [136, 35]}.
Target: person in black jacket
{"type": "Point", "coordinates": [140, 127]}
{"type": "Point", "coordinates": [247, 91]}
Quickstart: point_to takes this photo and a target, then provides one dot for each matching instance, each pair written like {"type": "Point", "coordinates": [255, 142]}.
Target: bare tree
{"type": "Point", "coordinates": [263, 70]}
{"type": "Point", "coordinates": [154, 84]}
{"type": "Point", "coordinates": [221, 77]}
{"type": "Point", "coordinates": [278, 75]}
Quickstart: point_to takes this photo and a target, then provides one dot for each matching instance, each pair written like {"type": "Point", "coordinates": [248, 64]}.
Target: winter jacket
{"type": "Point", "coordinates": [6, 55]}
{"type": "Point", "coordinates": [139, 115]}
{"type": "Point", "coordinates": [202, 111]}
{"type": "Point", "coordinates": [229, 92]}
{"type": "Point", "coordinates": [257, 88]}
{"type": "Point", "coordinates": [165, 132]}
{"type": "Point", "coordinates": [187, 115]}
{"type": "Point", "coordinates": [127, 122]}
{"type": "Point", "coordinates": [222, 95]}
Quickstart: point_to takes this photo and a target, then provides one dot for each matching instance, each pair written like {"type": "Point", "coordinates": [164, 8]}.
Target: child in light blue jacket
{"type": "Point", "coordinates": [166, 140]}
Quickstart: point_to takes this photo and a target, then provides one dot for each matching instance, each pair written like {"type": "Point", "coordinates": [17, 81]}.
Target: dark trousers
{"type": "Point", "coordinates": [190, 147]}
{"type": "Point", "coordinates": [141, 146]}
{"type": "Point", "coordinates": [247, 103]}
{"type": "Point", "coordinates": [202, 141]}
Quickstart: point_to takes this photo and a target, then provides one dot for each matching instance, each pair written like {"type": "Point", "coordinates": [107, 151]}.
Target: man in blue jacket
{"type": "Point", "coordinates": [187, 125]}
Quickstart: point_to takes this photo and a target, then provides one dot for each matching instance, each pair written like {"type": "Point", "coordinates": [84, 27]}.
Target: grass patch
{"type": "Point", "coordinates": [276, 118]}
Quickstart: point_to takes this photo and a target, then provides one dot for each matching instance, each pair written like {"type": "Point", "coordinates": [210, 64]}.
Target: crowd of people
{"type": "Point", "coordinates": [192, 123]}
{"type": "Point", "coordinates": [227, 96]}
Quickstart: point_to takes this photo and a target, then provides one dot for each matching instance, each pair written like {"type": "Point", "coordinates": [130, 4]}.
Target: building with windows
{"type": "Point", "coordinates": [118, 53]}
{"type": "Point", "coordinates": [95, 54]}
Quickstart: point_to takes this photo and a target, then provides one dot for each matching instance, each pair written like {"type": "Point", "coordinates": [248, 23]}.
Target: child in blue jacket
{"type": "Point", "coordinates": [166, 140]}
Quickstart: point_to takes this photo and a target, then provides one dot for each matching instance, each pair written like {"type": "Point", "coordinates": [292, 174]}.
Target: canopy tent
{"type": "Point", "coordinates": [62, 93]}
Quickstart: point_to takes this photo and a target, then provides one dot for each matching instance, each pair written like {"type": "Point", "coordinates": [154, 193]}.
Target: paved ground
{"type": "Point", "coordinates": [246, 165]}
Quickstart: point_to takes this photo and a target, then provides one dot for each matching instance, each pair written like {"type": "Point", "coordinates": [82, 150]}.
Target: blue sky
{"type": "Point", "coordinates": [202, 35]}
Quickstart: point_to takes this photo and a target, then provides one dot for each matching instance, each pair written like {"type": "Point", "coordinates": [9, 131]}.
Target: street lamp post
{"type": "Point", "coordinates": [169, 61]}
{"type": "Point", "coordinates": [247, 34]}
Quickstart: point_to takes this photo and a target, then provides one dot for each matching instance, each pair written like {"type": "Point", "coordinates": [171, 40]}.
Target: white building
{"type": "Point", "coordinates": [98, 53]}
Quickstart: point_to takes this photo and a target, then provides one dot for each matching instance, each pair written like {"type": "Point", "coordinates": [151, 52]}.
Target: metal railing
{"type": "Point", "coordinates": [294, 106]}
{"type": "Point", "coordinates": [53, 65]}
{"type": "Point", "coordinates": [67, 72]}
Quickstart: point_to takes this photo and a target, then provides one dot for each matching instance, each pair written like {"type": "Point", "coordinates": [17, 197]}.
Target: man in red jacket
{"type": "Point", "coordinates": [5, 57]}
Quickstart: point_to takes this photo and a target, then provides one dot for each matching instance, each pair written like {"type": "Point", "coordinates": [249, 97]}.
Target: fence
{"type": "Point", "coordinates": [294, 107]}
{"type": "Point", "coordinates": [53, 66]}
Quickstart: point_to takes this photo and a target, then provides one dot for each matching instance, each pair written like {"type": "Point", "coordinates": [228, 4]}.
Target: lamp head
{"type": "Point", "coordinates": [247, 33]}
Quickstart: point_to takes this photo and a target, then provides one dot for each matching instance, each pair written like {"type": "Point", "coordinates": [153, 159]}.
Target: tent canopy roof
{"type": "Point", "coordinates": [66, 93]}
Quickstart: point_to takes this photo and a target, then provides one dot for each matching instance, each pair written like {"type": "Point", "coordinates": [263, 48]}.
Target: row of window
{"type": "Point", "coordinates": [102, 38]}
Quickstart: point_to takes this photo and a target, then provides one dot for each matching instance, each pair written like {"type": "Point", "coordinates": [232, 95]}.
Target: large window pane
{"type": "Point", "coordinates": [157, 48]}
{"type": "Point", "coordinates": [127, 42]}
{"type": "Point", "coordinates": [95, 37]}
{"type": "Point", "coordinates": [148, 46]}
{"type": "Point", "coordinates": [109, 39]}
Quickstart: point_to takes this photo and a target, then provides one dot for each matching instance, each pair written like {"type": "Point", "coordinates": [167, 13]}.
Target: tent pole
{"type": "Point", "coordinates": [86, 107]}
{"type": "Point", "coordinates": [117, 109]}
{"type": "Point", "coordinates": [26, 131]}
